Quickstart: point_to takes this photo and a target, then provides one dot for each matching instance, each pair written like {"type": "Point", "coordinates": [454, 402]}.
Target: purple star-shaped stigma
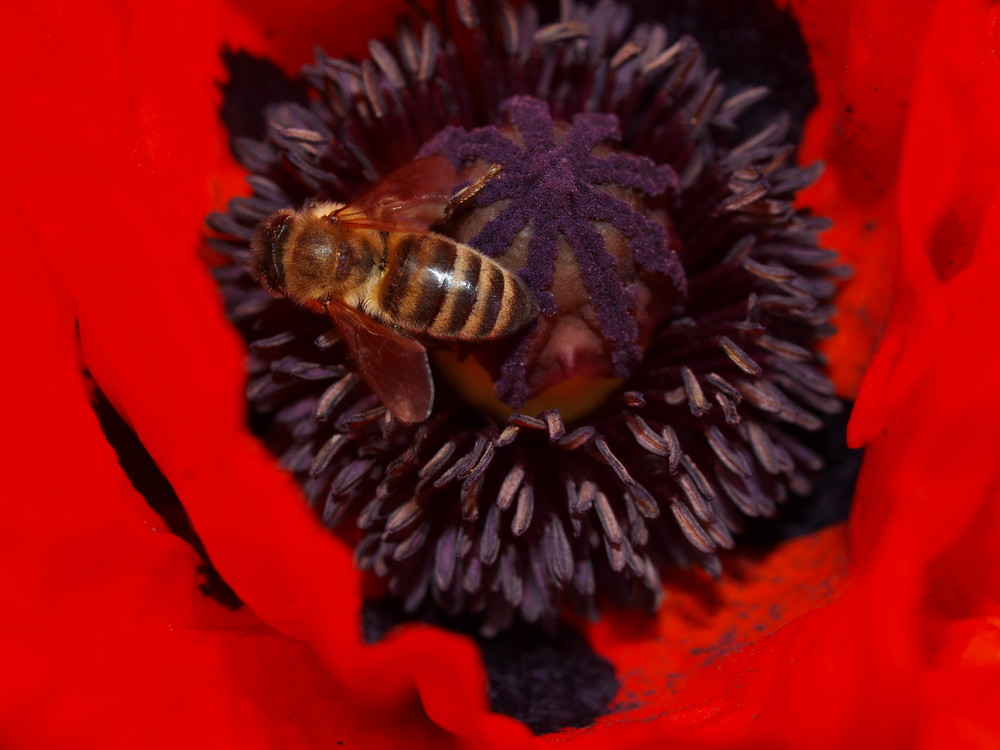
{"type": "Point", "coordinates": [554, 183]}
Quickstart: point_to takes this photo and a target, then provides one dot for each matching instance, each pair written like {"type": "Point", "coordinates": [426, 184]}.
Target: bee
{"type": "Point", "coordinates": [376, 268]}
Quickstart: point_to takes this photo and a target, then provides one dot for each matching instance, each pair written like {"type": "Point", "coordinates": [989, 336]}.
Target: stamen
{"type": "Point", "coordinates": [672, 363]}
{"type": "Point", "coordinates": [525, 509]}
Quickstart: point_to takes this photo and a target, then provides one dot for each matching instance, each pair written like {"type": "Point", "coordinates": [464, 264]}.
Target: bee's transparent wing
{"type": "Point", "coordinates": [395, 367]}
{"type": "Point", "coordinates": [411, 199]}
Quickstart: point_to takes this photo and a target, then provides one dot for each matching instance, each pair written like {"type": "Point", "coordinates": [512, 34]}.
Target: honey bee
{"type": "Point", "coordinates": [375, 267]}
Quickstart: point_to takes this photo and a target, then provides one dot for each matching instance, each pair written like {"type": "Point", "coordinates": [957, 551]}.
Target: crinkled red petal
{"type": "Point", "coordinates": [122, 155]}
{"type": "Point", "coordinates": [863, 56]}
{"type": "Point", "coordinates": [105, 640]}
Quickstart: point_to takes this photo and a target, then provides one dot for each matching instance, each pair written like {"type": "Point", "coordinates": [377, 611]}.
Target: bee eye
{"type": "Point", "coordinates": [268, 251]}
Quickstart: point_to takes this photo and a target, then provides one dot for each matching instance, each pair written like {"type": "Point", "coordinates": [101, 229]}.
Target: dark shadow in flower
{"type": "Point", "coordinates": [156, 490]}
{"type": "Point", "coordinates": [952, 244]}
{"type": "Point", "coordinates": [252, 85]}
{"type": "Point", "coordinates": [833, 489]}
{"type": "Point", "coordinates": [732, 34]}
{"type": "Point", "coordinates": [548, 680]}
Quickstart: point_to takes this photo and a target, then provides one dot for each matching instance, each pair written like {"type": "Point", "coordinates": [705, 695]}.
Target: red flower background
{"type": "Point", "coordinates": [884, 632]}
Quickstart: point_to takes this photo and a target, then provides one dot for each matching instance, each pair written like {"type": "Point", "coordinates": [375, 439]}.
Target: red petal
{"type": "Point", "coordinates": [105, 639]}
{"type": "Point", "coordinates": [96, 587]}
{"type": "Point", "coordinates": [863, 59]}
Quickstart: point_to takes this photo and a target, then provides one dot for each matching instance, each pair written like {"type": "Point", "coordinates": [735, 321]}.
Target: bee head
{"type": "Point", "coordinates": [268, 251]}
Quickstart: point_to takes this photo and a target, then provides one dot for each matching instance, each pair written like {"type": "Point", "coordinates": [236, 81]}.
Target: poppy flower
{"type": "Point", "coordinates": [883, 630]}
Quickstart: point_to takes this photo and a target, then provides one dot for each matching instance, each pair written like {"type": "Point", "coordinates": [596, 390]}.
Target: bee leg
{"type": "Point", "coordinates": [469, 192]}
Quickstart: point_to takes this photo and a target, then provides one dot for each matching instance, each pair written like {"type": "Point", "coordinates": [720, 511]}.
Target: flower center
{"type": "Point", "coordinates": [661, 396]}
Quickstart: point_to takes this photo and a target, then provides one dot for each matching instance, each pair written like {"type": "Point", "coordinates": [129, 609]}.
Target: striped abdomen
{"type": "Point", "coordinates": [433, 285]}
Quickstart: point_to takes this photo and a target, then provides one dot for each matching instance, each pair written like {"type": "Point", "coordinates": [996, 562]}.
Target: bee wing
{"type": "Point", "coordinates": [410, 199]}
{"type": "Point", "coordinates": [395, 367]}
